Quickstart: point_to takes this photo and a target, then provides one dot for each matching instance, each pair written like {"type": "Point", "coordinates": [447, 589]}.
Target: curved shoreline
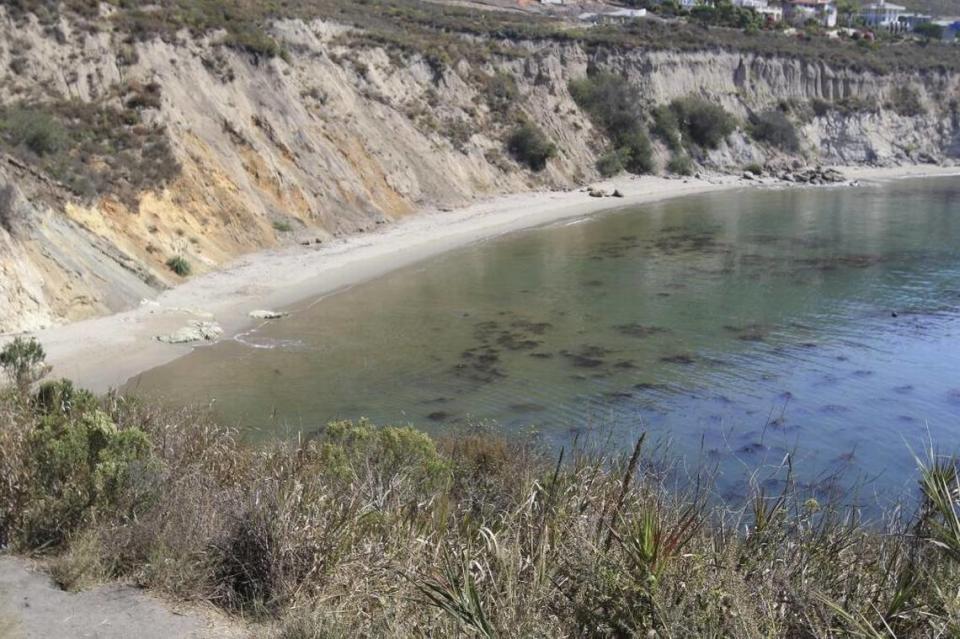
{"type": "Point", "coordinates": [105, 352]}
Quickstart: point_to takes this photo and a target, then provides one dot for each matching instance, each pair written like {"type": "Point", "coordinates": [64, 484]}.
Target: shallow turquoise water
{"type": "Point", "coordinates": [737, 326]}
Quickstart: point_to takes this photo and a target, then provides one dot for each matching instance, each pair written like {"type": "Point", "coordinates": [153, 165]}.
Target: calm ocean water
{"type": "Point", "coordinates": [738, 327]}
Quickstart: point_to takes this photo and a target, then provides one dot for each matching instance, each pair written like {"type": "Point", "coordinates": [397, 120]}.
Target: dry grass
{"type": "Point", "coordinates": [363, 531]}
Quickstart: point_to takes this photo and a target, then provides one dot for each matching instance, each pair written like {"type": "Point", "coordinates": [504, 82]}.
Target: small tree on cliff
{"type": "Point", "coordinates": [23, 362]}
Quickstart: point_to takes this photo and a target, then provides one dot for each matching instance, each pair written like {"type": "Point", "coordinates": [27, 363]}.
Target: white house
{"type": "Point", "coordinates": [883, 15]}
{"type": "Point", "coordinates": [762, 7]}
{"type": "Point", "coordinates": [910, 21]}
{"type": "Point", "coordinates": [800, 12]}
{"type": "Point", "coordinates": [608, 17]}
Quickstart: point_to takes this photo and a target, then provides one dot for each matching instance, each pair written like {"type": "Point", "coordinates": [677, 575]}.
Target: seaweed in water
{"type": "Point", "coordinates": [635, 329]}
{"type": "Point", "coordinates": [749, 332]}
{"type": "Point", "coordinates": [588, 356]}
{"type": "Point", "coordinates": [650, 386]}
{"type": "Point", "coordinates": [679, 358]}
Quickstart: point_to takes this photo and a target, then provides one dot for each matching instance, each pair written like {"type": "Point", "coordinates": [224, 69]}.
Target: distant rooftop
{"type": "Point", "coordinates": [884, 5]}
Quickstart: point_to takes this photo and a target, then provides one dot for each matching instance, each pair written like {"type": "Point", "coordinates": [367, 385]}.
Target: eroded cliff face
{"type": "Point", "coordinates": [337, 138]}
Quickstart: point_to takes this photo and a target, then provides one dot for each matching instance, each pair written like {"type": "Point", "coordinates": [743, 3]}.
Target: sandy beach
{"type": "Point", "coordinates": [104, 352]}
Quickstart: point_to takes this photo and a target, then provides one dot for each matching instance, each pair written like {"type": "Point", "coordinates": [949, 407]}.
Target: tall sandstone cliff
{"type": "Point", "coordinates": [334, 138]}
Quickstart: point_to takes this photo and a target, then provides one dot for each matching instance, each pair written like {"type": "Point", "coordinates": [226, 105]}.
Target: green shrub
{"type": "Point", "coordinates": [80, 461]}
{"type": "Point", "coordinates": [702, 122]}
{"type": "Point", "coordinates": [776, 129]}
{"type": "Point", "coordinates": [23, 361]}
{"type": "Point", "coordinates": [179, 265]}
{"type": "Point", "coordinates": [612, 162]}
{"type": "Point", "coordinates": [667, 127]}
{"type": "Point", "coordinates": [252, 39]}
{"type": "Point", "coordinates": [282, 226]}
{"type": "Point", "coordinates": [754, 168]}
{"type": "Point", "coordinates": [680, 163]}
{"type": "Point", "coordinates": [614, 107]}
{"type": "Point", "coordinates": [39, 131]}
{"type": "Point", "coordinates": [93, 147]}
{"type": "Point", "coordinates": [528, 145]}
{"type": "Point", "coordinates": [500, 92]}
{"type": "Point", "coordinates": [347, 445]}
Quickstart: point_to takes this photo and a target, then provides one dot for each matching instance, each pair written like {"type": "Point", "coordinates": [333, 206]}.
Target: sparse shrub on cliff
{"type": "Point", "coordinates": [702, 122]}
{"type": "Point", "coordinates": [529, 145]}
{"type": "Point", "coordinates": [680, 163]}
{"type": "Point", "coordinates": [612, 162]}
{"type": "Point", "coordinates": [500, 92]}
{"type": "Point", "coordinates": [35, 129]}
{"type": "Point", "coordinates": [905, 101]}
{"type": "Point", "coordinates": [614, 107]}
{"type": "Point", "coordinates": [776, 129]}
{"type": "Point", "coordinates": [92, 148]}
{"type": "Point", "coordinates": [179, 265]}
{"type": "Point", "coordinates": [667, 127]}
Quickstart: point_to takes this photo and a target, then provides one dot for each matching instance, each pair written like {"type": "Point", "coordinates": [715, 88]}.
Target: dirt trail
{"type": "Point", "coordinates": [31, 606]}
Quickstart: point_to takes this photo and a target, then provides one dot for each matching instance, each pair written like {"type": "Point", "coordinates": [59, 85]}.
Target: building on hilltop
{"type": "Point", "coordinates": [772, 13]}
{"type": "Point", "coordinates": [612, 17]}
{"type": "Point", "coordinates": [883, 15]}
{"type": "Point", "coordinates": [910, 21]}
{"type": "Point", "coordinates": [800, 12]}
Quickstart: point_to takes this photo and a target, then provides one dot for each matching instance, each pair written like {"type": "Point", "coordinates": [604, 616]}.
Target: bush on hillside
{"type": "Point", "coordinates": [612, 162]}
{"type": "Point", "coordinates": [179, 265]}
{"type": "Point", "coordinates": [23, 361]}
{"type": "Point", "coordinates": [529, 145]}
{"type": "Point", "coordinates": [65, 464]}
{"type": "Point", "coordinates": [905, 101]}
{"type": "Point", "coordinates": [667, 127]}
{"type": "Point", "coordinates": [776, 129]}
{"type": "Point", "coordinates": [614, 107]}
{"type": "Point", "coordinates": [680, 163]}
{"type": "Point", "coordinates": [37, 130]}
{"type": "Point", "coordinates": [702, 122]}
{"type": "Point", "coordinates": [500, 92]}
{"type": "Point", "coordinates": [92, 147]}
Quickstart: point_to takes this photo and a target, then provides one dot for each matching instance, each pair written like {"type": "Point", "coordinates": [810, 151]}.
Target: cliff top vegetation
{"type": "Point", "coordinates": [439, 30]}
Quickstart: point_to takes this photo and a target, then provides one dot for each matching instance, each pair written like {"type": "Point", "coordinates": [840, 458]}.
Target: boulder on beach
{"type": "Point", "coordinates": [265, 314]}
{"type": "Point", "coordinates": [194, 331]}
